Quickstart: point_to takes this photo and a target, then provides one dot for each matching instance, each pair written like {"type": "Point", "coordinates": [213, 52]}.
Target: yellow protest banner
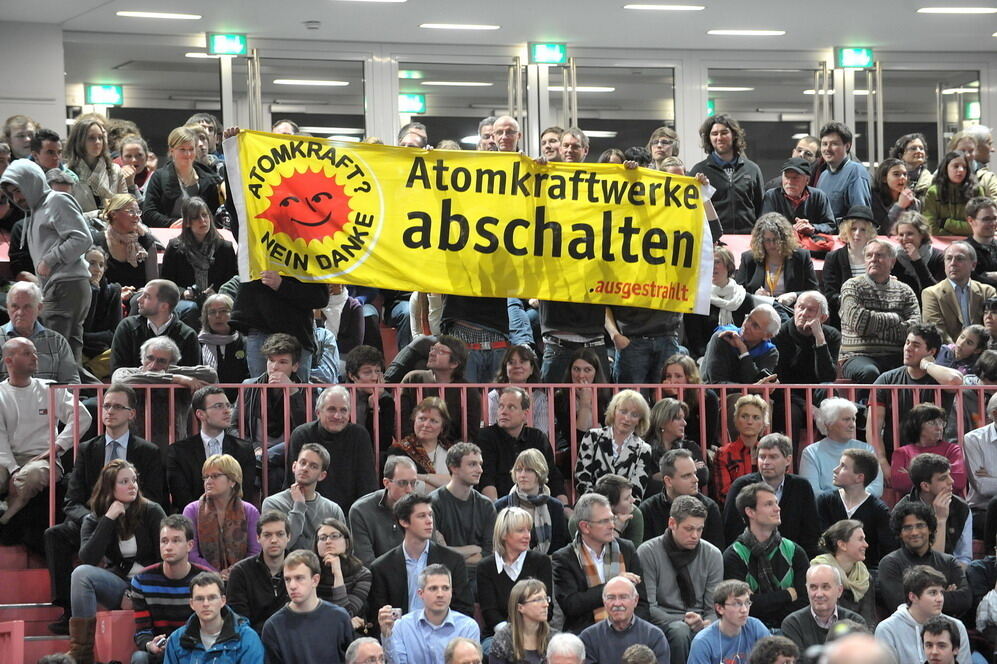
{"type": "Point", "coordinates": [487, 224]}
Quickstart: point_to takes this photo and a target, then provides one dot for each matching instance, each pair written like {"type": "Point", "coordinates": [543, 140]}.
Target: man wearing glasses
{"type": "Point", "coordinates": [731, 638]}
{"type": "Point", "coordinates": [981, 215]}
{"type": "Point", "coordinates": [375, 531]}
{"type": "Point", "coordinates": [185, 458]}
{"type": "Point", "coordinates": [215, 633]}
{"type": "Point", "coordinates": [365, 650]}
{"type": "Point", "coordinates": [914, 523]}
{"type": "Point", "coordinates": [305, 506]}
{"type": "Point", "coordinates": [606, 640]}
{"type": "Point", "coordinates": [582, 568]}
{"type": "Point", "coordinates": [62, 542]}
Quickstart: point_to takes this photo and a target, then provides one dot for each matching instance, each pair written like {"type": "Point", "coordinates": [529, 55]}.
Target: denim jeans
{"type": "Point", "coordinates": [483, 365]}
{"type": "Point", "coordinates": [643, 359]}
{"type": "Point", "coordinates": [258, 362]}
{"type": "Point", "coordinates": [92, 585]}
{"type": "Point", "coordinates": [520, 327]}
{"type": "Point", "coordinates": [399, 319]}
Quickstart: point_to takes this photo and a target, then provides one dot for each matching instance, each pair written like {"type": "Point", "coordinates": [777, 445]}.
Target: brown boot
{"type": "Point", "coordinates": [81, 637]}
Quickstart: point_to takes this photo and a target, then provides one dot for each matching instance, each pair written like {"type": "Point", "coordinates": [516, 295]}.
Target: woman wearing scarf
{"type": "Point", "coordinates": [87, 155]}
{"type": "Point", "coordinates": [846, 546]}
{"type": "Point", "coordinates": [199, 260]}
{"type": "Point", "coordinates": [222, 347]}
{"type": "Point", "coordinates": [530, 493]}
{"type": "Point", "coordinates": [131, 248]}
{"type": "Point", "coordinates": [224, 525]}
{"type": "Point", "coordinates": [512, 561]}
{"type": "Point", "coordinates": [102, 317]}
{"type": "Point", "coordinates": [729, 304]}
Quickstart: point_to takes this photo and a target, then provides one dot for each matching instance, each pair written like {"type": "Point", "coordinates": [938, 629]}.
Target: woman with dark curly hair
{"type": "Point", "coordinates": [776, 268]}
{"type": "Point", "coordinates": [922, 431]}
{"type": "Point", "coordinates": [953, 186]}
{"type": "Point", "coordinates": [737, 179]}
{"type": "Point", "coordinates": [913, 150]}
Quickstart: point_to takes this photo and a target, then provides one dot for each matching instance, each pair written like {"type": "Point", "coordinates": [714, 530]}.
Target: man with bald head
{"type": "Point", "coordinates": [809, 626]}
{"type": "Point", "coordinates": [606, 640]}
{"type": "Point", "coordinates": [506, 134]}
{"type": "Point", "coordinates": [24, 427]}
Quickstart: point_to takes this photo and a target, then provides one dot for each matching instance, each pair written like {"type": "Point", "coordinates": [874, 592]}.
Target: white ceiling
{"type": "Point", "coordinates": [884, 24]}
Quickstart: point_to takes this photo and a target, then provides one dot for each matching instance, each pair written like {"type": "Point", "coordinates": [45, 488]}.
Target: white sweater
{"type": "Point", "coordinates": [24, 426]}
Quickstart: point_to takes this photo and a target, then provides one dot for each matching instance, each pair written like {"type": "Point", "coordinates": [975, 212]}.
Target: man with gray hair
{"type": "Point", "coordinates": [745, 355]}
{"type": "Point", "coordinates": [606, 640]}
{"type": "Point", "coordinates": [365, 650]}
{"type": "Point", "coordinates": [583, 567]}
{"type": "Point", "coordinates": [486, 140]}
{"type": "Point", "coordinates": [957, 301]}
{"type": "Point", "coordinates": [565, 648]}
{"type": "Point", "coordinates": [984, 145]}
{"type": "Point", "coordinates": [352, 473]}
{"type": "Point", "coordinates": [463, 650]}
{"type": "Point", "coordinates": [980, 449]}
{"type": "Point", "coordinates": [681, 570]}
{"type": "Point", "coordinates": [809, 626]}
{"type": "Point", "coordinates": [160, 366]}
{"type": "Point", "coordinates": [506, 133]}
{"type": "Point", "coordinates": [876, 311]}
{"type": "Point", "coordinates": [55, 358]}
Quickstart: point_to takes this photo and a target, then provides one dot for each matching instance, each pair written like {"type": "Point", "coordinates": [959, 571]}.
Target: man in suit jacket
{"type": "Point", "coordinates": [957, 301]}
{"type": "Point", "coordinates": [62, 542]}
{"type": "Point", "coordinates": [394, 582]}
{"type": "Point", "coordinates": [578, 589]}
{"type": "Point", "coordinates": [796, 496]}
{"type": "Point", "coordinates": [186, 457]}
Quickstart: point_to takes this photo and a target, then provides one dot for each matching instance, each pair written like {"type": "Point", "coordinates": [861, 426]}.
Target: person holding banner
{"type": "Point", "coordinates": [618, 448]}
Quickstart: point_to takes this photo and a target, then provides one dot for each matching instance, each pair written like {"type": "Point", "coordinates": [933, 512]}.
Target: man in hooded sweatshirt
{"type": "Point", "coordinates": [57, 236]}
{"type": "Point", "coordinates": [924, 589]}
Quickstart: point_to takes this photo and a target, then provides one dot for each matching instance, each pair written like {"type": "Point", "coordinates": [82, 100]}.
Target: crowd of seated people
{"type": "Point", "coordinates": [402, 514]}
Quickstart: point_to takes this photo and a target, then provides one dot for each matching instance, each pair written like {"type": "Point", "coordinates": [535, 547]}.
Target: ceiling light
{"type": "Point", "coordinates": [459, 84]}
{"type": "Point", "coordinates": [458, 26]}
{"type": "Point", "coordinates": [308, 81]}
{"type": "Point", "coordinates": [722, 88]}
{"type": "Point", "coordinates": [473, 139]}
{"type": "Point", "coordinates": [201, 55]}
{"type": "Point", "coordinates": [373, 0]}
{"type": "Point", "coordinates": [166, 15]}
{"type": "Point", "coordinates": [959, 91]}
{"type": "Point", "coordinates": [957, 10]}
{"type": "Point", "coordinates": [668, 8]}
{"type": "Point", "coordinates": [409, 73]}
{"type": "Point", "coordinates": [860, 93]}
{"type": "Point", "coordinates": [746, 33]}
{"type": "Point", "coordinates": [332, 130]}
{"type": "Point", "coordinates": [599, 133]}
{"type": "Point", "coordinates": [582, 88]}
{"type": "Point", "coordinates": [797, 137]}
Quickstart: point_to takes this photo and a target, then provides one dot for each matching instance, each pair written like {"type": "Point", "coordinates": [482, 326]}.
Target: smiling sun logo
{"type": "Point", "coordinates": [309, 205]}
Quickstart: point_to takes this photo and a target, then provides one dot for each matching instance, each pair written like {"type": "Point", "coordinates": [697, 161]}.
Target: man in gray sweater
{"type": "Point", "coordinates": [305, 507]}
{"type": "Point", "coordinates": [606, 640]}
{"type": "Point", "coordinates": [681, 570]}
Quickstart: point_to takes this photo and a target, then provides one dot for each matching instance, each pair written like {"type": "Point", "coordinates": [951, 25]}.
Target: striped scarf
{"type": "Point", "coordinates": [612, 565]}
{"type": "Point", "coordinates": [541, 515]}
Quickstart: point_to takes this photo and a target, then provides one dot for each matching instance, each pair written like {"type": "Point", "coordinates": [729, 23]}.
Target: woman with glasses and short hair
{"type": "Point", "coordinates": [922, 432]}
{"type": "Point", "coordinates": [664, 143]}
{"type": "Point", "coordinates": [345, 581]}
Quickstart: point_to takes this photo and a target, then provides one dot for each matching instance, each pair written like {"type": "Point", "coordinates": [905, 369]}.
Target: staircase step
{"type": "Point", "coordinates": [36, 647]}
{"type": "Point", "coordinates": [36, 617]}
{"type": "Point", "coordinates": [18, 557]}
{"type": "Point", "coordinates": [24, 586]}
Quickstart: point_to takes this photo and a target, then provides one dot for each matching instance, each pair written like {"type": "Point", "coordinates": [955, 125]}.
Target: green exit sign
{"type": "Point", "coordinates": [853, 58]}
{"type": "Point", "coordinates": [220, 43]}
{"type": "Point", "coordinates": [548, 54]}
{"type": "Point", "coordinates": [104, 95]}
{"type": "Point", "coordinates": [711, 107]}
{"type": "Point", "coordinates": [972, 110]}
{"type": "Point", "coordinates": [412, 103]}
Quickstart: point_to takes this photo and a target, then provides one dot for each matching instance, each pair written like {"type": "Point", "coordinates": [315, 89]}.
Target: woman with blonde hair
{"type": "Point", "coordinates": [86, 154]}
{"type": "Point", "coordinates": [131, 249]}
{"type": "Point", "coordinates": [618, 447]}
{"type": "Point", "coordinates": [512, 561]}
{"type": "Point", "coordinates": [855, 231]}
{"type": "Point", "coordinates": [531, 493]}
{"type": "Point", "coordinates": [223, 521]}
{"type": "Point", "coordinates": [524, 639]}
{"type": "Point", "coordinates": [776, 268]}
{"type": "Point", "coordinates": [729, 304]}
{"type": "Point", "coordinates": [345, 581]}
{"type": "Point", "coordinates": [181, 178]}
{"type": "Point", "coordinates": [740, 456]}
{"type": "Point", "coordinates": [427, 445]}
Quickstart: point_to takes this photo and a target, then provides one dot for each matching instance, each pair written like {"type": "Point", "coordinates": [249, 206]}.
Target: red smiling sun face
{"type": "Point", "coordinates": [308, 205]}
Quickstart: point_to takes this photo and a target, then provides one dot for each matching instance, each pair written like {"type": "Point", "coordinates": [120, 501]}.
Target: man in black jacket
{"type": "Point", "coordinates": [679, 477]}
{"type": "Point", "coordinates": [807, 208]}
{"type": "Point", "coordinates": [981, 214]}
{"type": "Point", "coordinates": [256, 586]}
{"type": "Point", "coordinates": [796, 497]}
{"type": "Point", "coordinates": [185, 457]}
{"type": "Point", "coordinates": [155, 317]}
{"type": "Point", "coordinates": [582, 568]}
{"type": "Point", "coordinates": [931, 475]}
{"type": "Point", "coordinates": [394, 581]}
{"type": "Point", "coordinates": [62, 541]}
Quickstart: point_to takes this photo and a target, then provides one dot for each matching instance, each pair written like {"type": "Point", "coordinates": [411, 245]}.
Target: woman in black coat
{"type": "Point", "coordinates": [511, 544]}
{"type": "Point", "coordinates": [103, 316]}
{"type": "Point", "coordinates": [199, 260]}
{"type": "Point", "coordinates": [183, 177]}
{"type": "Point", "coordinates": [776, 267]}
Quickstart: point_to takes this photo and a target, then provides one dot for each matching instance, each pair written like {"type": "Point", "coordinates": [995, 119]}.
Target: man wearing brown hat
{"type": "Point", "coordinates": [807, 208]}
